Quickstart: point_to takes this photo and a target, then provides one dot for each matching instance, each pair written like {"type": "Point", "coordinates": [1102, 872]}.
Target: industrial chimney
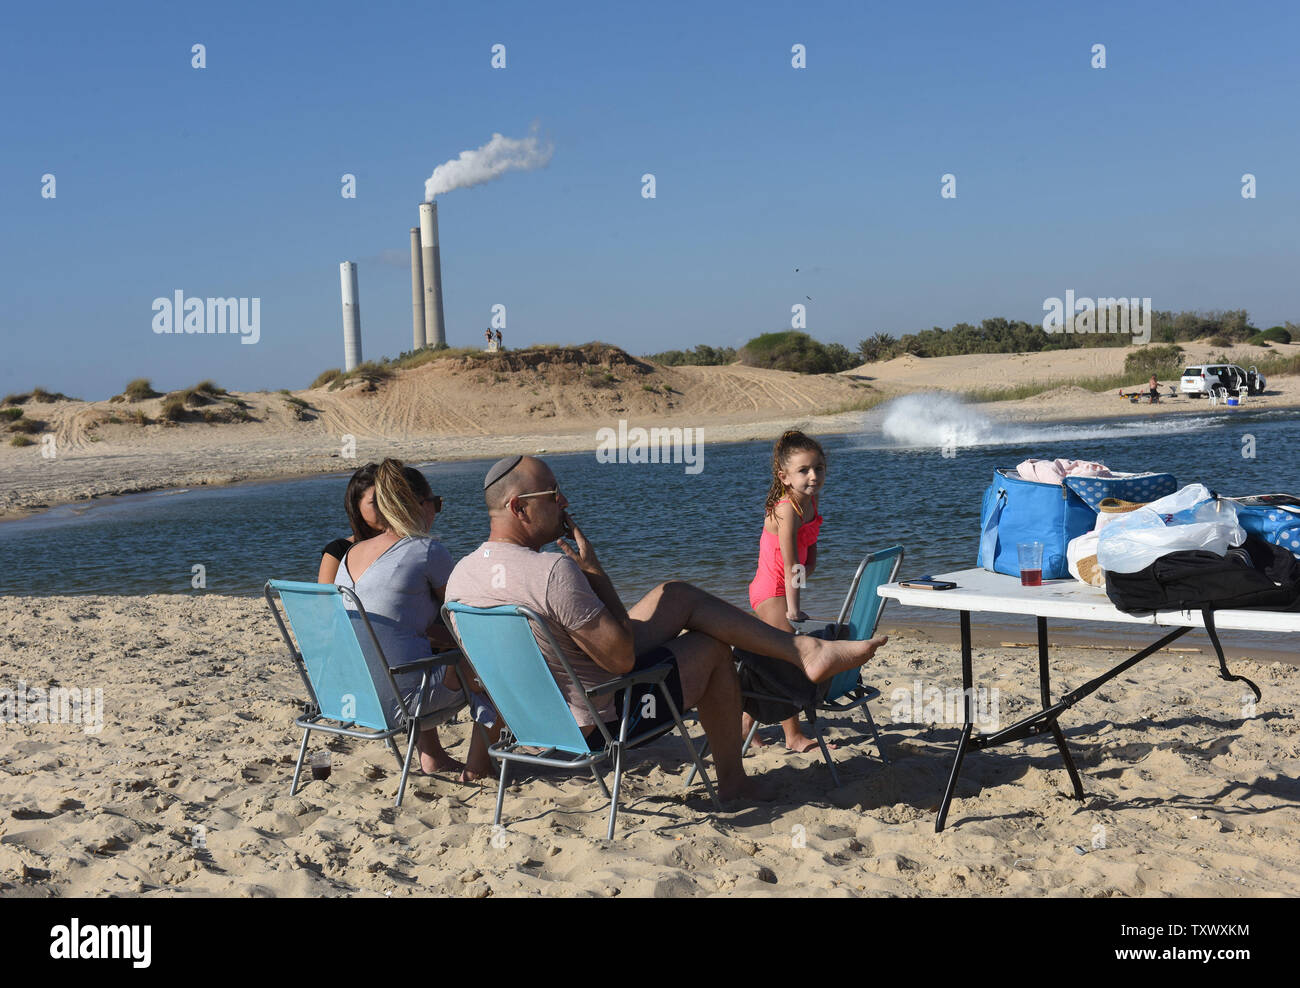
{"type": "Point", "coordinates": [434, 332]}
{"type": "Point", "coordinates": [417, 292]}
{"type": "Point", "coordinates": [351, 315]}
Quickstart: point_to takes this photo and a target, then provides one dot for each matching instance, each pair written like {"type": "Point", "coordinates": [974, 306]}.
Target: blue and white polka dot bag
{"type": "Point", "coordinates": [1272, 521]}
{"type": "Point", "coordinates": [1140, 487]}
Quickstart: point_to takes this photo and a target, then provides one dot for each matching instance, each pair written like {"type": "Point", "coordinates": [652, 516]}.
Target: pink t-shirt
{"type": "Point", "coordinates": [552, 585]}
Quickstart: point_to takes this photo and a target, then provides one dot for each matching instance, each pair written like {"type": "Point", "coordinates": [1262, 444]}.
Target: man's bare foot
{"type": "Point", "coordinates": [439, 761]}
{"type": "Point", "coordinates": [475, 771]}
{"type": "Point", "coordinates": [801, 743]}
{"type": "Point", "coordinates": [747, 725]}
{"type": "Point", "coordinates": [749, 790]}
{"type": "Point", "coordinates": [822, 659]}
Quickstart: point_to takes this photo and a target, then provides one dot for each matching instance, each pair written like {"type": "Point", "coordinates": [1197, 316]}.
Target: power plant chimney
{"type": "Point", "coordinates": [417, 292]}
{"type": "Point", "coordinates": [351, 315]}
{"type": "Point", "coordinates": [434, 333]}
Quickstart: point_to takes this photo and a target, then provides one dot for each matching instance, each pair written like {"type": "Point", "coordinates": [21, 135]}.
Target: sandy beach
{"type": "Point", "coordinates": [453, 410]}
{"type": "Point", "coordinates": [184, 790]}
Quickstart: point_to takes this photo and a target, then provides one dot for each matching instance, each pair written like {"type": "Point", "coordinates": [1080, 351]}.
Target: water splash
{"type": "Point", "coordinates": [937, 420]}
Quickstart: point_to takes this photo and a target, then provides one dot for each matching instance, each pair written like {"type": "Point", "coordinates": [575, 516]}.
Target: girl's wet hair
{"type": "Point", "coordinates": [361, 481]}
{"type": "Point", "coordinates": [792, 441]}
{"type": "Point", "coordinates": [396, 502]}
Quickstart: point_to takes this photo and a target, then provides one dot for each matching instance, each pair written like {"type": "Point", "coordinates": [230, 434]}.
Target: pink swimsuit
{"type": "Point", "coordinates": [770, 580]}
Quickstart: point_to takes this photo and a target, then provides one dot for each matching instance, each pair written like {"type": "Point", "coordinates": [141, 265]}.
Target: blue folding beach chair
{"type": "Point", "coordinates": [347, 678]}
{"type": "Point", "coordinates": [500, 644]}
{"type": "Point", "coordinates": [859, 616]}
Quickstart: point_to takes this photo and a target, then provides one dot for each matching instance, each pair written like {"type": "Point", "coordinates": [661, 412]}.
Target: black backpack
{"type": "Point", "coordinates": [1256, 574]}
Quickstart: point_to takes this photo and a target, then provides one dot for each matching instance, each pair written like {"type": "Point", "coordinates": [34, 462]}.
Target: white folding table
{"type": "Point", "coordinates": [979, 590]}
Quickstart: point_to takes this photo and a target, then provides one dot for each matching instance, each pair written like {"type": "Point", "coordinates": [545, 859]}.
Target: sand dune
{"type": "Point", "coordinates": [1187, 793]}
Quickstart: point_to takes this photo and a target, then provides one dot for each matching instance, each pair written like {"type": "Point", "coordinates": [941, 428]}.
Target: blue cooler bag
{"type": "Point", "coordinates": [1017, 510]}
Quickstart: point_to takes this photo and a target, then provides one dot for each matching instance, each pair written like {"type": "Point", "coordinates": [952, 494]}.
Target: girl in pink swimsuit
{"type": "Point", "coordinates": [787, 549]}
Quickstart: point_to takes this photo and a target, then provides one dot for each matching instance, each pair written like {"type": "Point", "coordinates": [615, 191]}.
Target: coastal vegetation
{"type": "Point", "coordinates": [794, 351]}
{"type": "Point", "coordinates": [1221, 328]}
{"type": "Point", "coordinates": [138, 390]}
{"type": "Point", "coordinates": [702, 356]}
{"type": "Point", "coordinates": [38, 396]}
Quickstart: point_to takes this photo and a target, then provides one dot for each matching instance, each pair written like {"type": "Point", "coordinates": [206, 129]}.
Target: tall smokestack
{"type": "Point", "coordinates": [417, 292]}
{"type": "Point", "coordinates": [434, 333]}
{"type": "Point", "coordinates": [351, 315]}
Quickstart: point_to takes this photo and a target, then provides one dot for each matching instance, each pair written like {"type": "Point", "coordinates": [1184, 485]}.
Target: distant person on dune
{"type": "Point", "coordinates": [487, 335]}
{"type": "Point", "coordinates": [1155, 389]}
{"type": "Point", "coordinates": [787, 549]}
{"type": "Point", "coordinates": [574, 595]}
{"type": "Point", "coordinates": [500, 345]}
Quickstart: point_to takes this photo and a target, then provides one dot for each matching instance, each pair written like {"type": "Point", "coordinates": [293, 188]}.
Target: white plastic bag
{"type": "Point", "coordinates": [1081, 548]}
{"type": "Point", "coordinates": [1188, 519]}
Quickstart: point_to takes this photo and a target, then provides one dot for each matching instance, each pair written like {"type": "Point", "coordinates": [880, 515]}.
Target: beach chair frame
{"type": "Point", "coordinates": [847, 693]}
{"type": "Point", "coordinates": [312, 719]}
{"type": "Point", "coordinates": [506, 749]}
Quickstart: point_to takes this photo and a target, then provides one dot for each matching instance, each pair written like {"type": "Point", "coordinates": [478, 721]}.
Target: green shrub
{"type": "Point", "coordinates": [28, 426]}
{"type": "Point", "coordinates": [702, 356]}
{"type": "Point", "coordinates": [209, 388]}
{"type": "Point", "coordinates": [48, 397]}
{"type": "Point", "coordinates": [794, 351]}
{"type": "Point", "coordinates": [1162, 360]}
{"type": "Point", "coordinates": [21, 441]}
{"type": "Point", "coordinates": [881, 346]}
{"type": "Point", "coordinates": [16, 398]}
{"type": "Point", "coordinates": [173, 408]}
{"type": "Point", "coordinates": [327, 377]}
{"type": "Point", "coordinates": [1259, 339]}
{"type": "Point", "coordinates": [140, 389]}
{"type": "Point", "coordinates": [11, 414]}
{"type": "Point", "coordinates": [373, 374]}
{"type": "Point", "coordinates": [1220, 340]}
{"type": "Point", "coordinates": [1277, 334]}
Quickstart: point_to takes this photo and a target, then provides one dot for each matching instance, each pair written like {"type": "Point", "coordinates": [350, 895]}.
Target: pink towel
{"type": "Point", "coordinates": [1054, 471]}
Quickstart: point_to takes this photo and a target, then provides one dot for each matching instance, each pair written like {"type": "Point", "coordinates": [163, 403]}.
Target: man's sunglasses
{"type": "Point", "coordinates": [435, 500]}
{"type": "Point", "coordinates": [552, 494]}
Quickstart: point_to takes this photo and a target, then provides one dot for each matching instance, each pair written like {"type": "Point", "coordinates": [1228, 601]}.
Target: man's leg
{"type": "Point", "coordinates": [709, 685]}
{"type": "Point", "coordinates": [670, 608]}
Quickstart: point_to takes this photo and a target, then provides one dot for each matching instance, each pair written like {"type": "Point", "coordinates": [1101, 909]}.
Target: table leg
{"type": "Point", "coordinates": [968, 688]}
{"type": "Point", "coordinates": [1045, 692]}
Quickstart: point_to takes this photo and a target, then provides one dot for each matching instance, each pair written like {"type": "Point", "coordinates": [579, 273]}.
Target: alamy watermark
{"type": "Point", "coordinates": [657, 445]}
{"type": "Point", "coordinates": [178, 314]}
{"type": "Point", "coordinates": [1103, 315]}
{"type": "Point", "coordinates": [60, 705]}
{"type": "Point", "coordinates": [934, 705]}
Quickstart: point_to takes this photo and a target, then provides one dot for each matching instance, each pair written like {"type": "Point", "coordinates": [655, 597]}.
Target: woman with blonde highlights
{"type": "Point", "coordinates": [400, 576]}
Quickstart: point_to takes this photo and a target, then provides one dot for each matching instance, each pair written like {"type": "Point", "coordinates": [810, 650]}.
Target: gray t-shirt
{"type": "Point", "coordinates": [397, 592]}
{"type": "Point", "coordinates": [552, 585]}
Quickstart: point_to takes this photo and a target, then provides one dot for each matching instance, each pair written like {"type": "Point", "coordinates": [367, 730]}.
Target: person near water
{"type": "Point", "coordinates": [787, 548]}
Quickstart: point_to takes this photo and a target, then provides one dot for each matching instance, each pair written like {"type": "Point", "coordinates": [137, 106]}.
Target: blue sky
{"type": "Point", "coordinates": [225, 181]}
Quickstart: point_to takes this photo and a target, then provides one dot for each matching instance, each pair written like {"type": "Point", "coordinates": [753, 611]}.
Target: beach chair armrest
{"type": "Point", "coordinates": [654, 674]}
{"type": "Point", "coordinates": [449, 658]}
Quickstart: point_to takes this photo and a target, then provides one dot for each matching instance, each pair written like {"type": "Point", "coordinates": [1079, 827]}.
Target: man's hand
{"type": "Point", "coordinates": [585, 556]}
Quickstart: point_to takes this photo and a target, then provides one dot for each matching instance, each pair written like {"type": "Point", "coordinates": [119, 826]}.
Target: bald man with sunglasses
{"type": "Point", "coordinates": [675, 622]}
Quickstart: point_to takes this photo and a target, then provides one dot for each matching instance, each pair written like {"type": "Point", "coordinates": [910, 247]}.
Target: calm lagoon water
{"type": "Point", "coordinates": [888, 484]}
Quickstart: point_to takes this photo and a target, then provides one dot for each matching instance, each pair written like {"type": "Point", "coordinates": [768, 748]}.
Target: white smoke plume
{"type": "Point", "coordinates": [495, 158]}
